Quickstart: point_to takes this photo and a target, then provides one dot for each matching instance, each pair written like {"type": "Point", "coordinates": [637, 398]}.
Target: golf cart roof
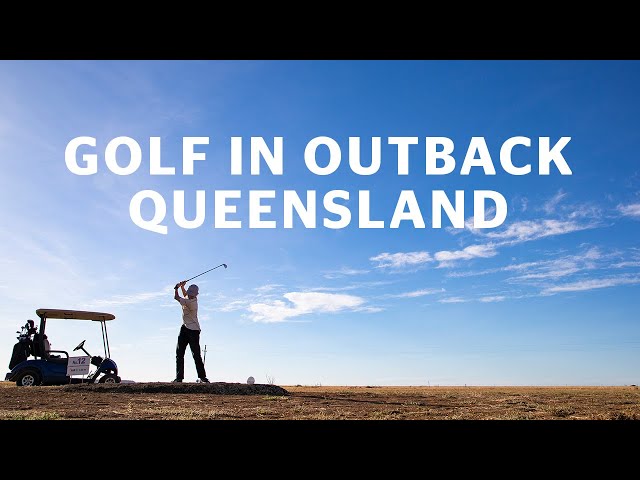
{"type": "Point", "coordinates": [74, 314]}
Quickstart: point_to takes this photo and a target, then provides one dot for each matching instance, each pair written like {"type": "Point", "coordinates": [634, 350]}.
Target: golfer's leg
{"type": "Point", "coordinates": [194, 343]}
{"type": "Point", "coordinates": [180, 349]}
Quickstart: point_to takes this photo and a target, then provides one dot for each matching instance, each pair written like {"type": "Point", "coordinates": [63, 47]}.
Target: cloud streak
{"type": "Point", "coordinates": [515, 233]}
{"type": "Point", "coordinates": [550, 205]}
{"type": "Point", "coordinates": [494, 298]}
{"type": "Point", "coordinates": [305, 303]}
{"type": "Point", "coordinates": [401, 259]}
{"type": "Point", "coordinates": [418, 293]}
{"type": "Point", "coordinates": [344, 272]}
{"type": "Point", "coordinates": [234, 306]}
{"type": "Point", "coordinates": [448, 258]}
{"type": "Point", "coordinates": [133, 299]}
{"type": "Point", "coordinates": [591, 258]}
{"type": "Point", "coordinates": [592, 284]}
{"type": "Point", "coordinates": [528, 230]}
{"type": "Point", "coordinates": [351, 286]}
{"type": "Point", "coordinates": [453, 300]}
{"type": "Point", "coordinates": [268, 288]}
{"type": "Point", "coordinates": [632, 210]}
{"type": "Point", "coordinates": [577, 218]}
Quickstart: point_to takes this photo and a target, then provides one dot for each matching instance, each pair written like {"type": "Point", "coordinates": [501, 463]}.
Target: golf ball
{"type": "Point", "coordinates": [251, 380]}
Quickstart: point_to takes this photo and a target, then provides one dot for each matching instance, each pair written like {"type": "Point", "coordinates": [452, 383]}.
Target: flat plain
{"type": "Point", "coordinates": [165, 401]}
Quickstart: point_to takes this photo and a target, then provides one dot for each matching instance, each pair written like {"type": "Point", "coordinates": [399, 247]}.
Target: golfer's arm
{"type": "Point", "coordinates": [175, 295]}
{"type": "Point", "coordinates": [184, 292]}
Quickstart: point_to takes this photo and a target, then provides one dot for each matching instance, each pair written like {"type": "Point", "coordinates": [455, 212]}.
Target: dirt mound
{"type": "Point", "coordinates": [216, 388]}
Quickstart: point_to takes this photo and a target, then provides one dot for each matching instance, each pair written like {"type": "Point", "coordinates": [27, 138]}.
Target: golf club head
{"type": "Point", "coordinates": [225, 265]}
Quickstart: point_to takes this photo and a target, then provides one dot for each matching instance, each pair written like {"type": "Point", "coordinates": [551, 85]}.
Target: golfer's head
{"type": "Point", "coordinates": [192, 291]}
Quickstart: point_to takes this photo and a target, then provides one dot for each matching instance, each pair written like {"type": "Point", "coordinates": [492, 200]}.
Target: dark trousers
{"type": "Point", "coordinates": [191, 338]}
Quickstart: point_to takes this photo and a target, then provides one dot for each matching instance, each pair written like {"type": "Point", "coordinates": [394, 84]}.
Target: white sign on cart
{"type": "Point", "coordinates": [78, 366]}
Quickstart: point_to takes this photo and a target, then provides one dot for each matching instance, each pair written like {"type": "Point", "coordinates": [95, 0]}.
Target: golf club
{"type": "Point", "coordinates": [221, 265]}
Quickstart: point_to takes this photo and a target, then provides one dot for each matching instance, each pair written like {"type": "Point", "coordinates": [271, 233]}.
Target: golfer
{"type": "Point", "coordinates": [189, 332]}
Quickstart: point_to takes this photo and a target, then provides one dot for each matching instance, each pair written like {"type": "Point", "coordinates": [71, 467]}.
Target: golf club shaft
{"type": "Point", "coordinates": [221, 265]}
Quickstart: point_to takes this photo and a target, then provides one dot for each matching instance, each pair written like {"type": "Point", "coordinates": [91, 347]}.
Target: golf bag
{"type": "Point", "coordinates": [24, 347]}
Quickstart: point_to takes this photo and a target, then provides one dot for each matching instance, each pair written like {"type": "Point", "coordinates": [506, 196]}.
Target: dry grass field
{"type": "Point", "coordinates": [165, 401]}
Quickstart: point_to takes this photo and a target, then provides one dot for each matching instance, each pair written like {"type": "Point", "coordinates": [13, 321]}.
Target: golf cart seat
{"type": "Point", "coordinates": [56, 358]}
{"type": "Point", "coordinates": [47, 355]}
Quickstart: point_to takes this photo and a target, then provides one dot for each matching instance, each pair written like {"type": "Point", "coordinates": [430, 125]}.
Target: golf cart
{"type": "Point", "coordinates": [49, 369]}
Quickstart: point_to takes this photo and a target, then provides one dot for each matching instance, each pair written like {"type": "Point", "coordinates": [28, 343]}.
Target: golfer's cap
{"type": "Point", "coordinates": [193, 290]}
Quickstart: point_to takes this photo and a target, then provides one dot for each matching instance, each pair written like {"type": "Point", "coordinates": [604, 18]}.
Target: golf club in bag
{"type": "Point", "coordinates": [221, 265]}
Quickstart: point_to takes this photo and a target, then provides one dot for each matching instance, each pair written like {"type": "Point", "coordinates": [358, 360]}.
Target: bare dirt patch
{"type": "Point", "coordinates": [239, 401]}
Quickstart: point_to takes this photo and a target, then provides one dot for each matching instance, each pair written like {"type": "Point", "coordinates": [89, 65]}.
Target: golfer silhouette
{"type": "Point", "coordinates": [189, 331]}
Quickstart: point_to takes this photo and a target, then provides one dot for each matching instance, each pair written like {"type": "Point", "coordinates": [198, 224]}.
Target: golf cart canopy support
{"type": "Point", "coordinates": [45, 313]}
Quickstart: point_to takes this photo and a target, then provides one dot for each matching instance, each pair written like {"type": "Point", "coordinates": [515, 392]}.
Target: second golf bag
{"type": "Point", "coordinates": [24, 347]}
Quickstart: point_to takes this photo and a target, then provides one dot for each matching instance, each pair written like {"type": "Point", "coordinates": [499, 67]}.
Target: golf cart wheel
{"type": "Point", "coordinates": [109, 378]}
{"type": "Point", "coordinates": [28, 378]}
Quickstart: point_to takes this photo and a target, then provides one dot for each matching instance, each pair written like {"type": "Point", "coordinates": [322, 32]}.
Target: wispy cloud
{"type": "Point", "coordinates": [234, 306]}
{"type": "Point", "coordinates": [556, 271]}
{"type": "Point", "coordinates": [527, 230]}
{"type": "Point", "coordinates": [344, 272]}
{"type": "Point", "coordinates": [473, 273]}
{"type": "Point", "coordinates": [592, 284]}
{"type": "Point", "coordinates": [268, 288]}
{"type": "Point", "coordinates": [585, 211]}
{"type": "Point", "coordinates": [449, 258]}
{"type": "Point", "coordinates": [483, 299]}
{"type": "Point", "coordinates": [132, 299]}
{"type": "Point", "coordinates": [559, 267]}
{"type": "Point", "coordinates": [495, 298]}
{"type": "Point", "coordinates": [304, 303]}
{"type": "Point", "coordinates": [51, 250]}
{"type": "Point", "coordinates": [631, 210]}
{"type": "Point", "coordinates": [626, 264]}
{"type": "Point", "coordinates": [418, 293]}
{"type": "Point", "coordinates": [576, 218]}
{"type": "Point", "coordinates": [351, 286]}
{"type": "Point", "coordinates": [401, 259]}
{"type": "Point", "coordinates": [550, 205]}
{"type": "Point", "coordinates": [590, 258]}
{"type": "Point", "coordinates": [453, 300]}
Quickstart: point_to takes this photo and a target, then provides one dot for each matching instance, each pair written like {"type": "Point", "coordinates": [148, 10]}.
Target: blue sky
{"type": "Point", "coordinates": [548, 298]}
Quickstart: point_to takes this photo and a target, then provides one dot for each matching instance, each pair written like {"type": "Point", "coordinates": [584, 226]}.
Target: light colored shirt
{"type": "Point", "coordinates": [190, 313]}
